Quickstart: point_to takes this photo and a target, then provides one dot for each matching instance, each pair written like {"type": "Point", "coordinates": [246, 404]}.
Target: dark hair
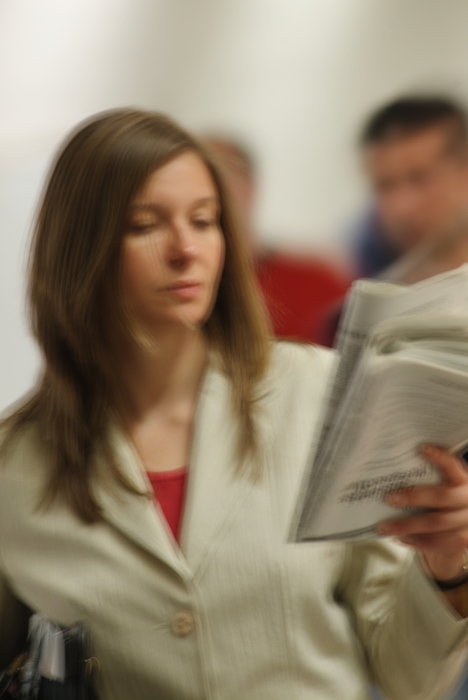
{"type": "Point", "coordinates": [409, 115]}
{"type": "Point", "coordinates": [76, 296]}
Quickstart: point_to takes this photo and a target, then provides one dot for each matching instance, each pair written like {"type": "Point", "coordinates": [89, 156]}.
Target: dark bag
{"type": "Point", "coordinates": [56, 665]}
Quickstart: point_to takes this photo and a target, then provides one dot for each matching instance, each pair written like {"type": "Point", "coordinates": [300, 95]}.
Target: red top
{"type": "Point", "coordinates": [298, 290]}
{"type": "Point", "coordinates": [169, 490]}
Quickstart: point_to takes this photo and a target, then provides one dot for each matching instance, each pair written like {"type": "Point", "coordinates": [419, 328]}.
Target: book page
{"type": "Point", "coordinates": [369, 303]}
{"type": "Point", "coordinates": [395, 404]}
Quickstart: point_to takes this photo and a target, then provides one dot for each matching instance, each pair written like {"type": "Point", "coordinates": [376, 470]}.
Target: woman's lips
{"type": "Point", "coordinates": [184, 290]}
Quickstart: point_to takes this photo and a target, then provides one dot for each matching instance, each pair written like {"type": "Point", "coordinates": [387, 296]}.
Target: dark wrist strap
{"type": "Point", "coordinates": [452, 583]}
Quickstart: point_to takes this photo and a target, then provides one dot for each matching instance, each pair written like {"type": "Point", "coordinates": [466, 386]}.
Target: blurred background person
{"type": "Point", "coordinates": [297, 287]}
{"type": "Point", "coordinates": [415, 157]}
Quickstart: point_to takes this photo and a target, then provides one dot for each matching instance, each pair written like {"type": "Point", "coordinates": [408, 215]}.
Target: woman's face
{"type": "Point", "coordinates": [173, 248]}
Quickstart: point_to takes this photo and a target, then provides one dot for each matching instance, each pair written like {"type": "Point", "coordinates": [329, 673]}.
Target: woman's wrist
{"type": "Point", "coordinates": [450, 584]}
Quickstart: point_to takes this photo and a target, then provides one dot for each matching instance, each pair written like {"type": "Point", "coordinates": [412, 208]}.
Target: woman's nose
{"type": "Point", "coordinates": [183, 247]}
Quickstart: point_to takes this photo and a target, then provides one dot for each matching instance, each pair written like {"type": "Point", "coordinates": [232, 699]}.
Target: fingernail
{"type": "Point", "coordinates": [395, 499]}
{"type": "Point", "coordinates": [384, 530]}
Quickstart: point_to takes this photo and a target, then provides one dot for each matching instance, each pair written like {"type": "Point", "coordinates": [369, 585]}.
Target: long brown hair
{"type": "Point", "coordinates": [75, 294]}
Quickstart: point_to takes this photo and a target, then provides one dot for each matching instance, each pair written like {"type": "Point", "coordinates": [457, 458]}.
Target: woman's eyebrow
{"type": "Point", "coordinates": [211, 202]}
{"type": "Point", "coordinates": [203, 201]}
{"type": "Point", "coordinates": [206, 200]}
{"type": "Point", "coordinates": [142, 205]}
{"type": "Point", "coordinates": [196, 203]}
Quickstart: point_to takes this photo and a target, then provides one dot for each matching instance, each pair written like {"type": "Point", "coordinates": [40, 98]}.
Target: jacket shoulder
{"type": "Point", "coordinates": [298, 374]}
{"type": "Point", "coordinates": [301, 360]}
{"type": "Point", "coordinates": [22, 449]}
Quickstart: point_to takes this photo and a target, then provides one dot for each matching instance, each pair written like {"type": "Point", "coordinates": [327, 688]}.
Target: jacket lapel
{"type": "Point", "coordinates": [215, 490]}
{"type": "Point", "coordinates": [136, 516]}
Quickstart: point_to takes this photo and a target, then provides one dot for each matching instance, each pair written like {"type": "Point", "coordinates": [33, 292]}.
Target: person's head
{"type": "Point", "coordinates": [135, 228]}
{"type": "Point", "coordinates": [173, 248]}
{"type": "Point", "coordinates": [129, 189]}
{"type": "Point", "coordinates": [415, 152]}
{"type": "Point", "coordinates": [240, 171]}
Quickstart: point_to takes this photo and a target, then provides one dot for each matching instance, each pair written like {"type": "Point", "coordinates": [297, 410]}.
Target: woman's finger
{"type": "Point", "coordinates": [437, 521]}
{"type": "Point", "coordinates": [448, 542]}
{"type": "Point", "coordinates": [440, 496]}
{"type": "Point", "coordinates": [452, 467]}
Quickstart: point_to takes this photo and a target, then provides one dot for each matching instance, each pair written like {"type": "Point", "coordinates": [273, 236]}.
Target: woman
{"type": "Point", "coordinates": [160, 380]}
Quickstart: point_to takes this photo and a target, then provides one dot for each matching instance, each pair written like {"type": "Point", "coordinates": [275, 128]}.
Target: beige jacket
{"type": "Point", "coordinates": [236, 613]}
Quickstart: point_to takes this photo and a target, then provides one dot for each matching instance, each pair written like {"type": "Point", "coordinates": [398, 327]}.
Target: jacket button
{"type": "Point", "coordinates": [183, 624]}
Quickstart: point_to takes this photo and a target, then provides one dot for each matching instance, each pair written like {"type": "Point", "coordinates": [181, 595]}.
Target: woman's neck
{"type": "Point", "coordinates": [163, 376]}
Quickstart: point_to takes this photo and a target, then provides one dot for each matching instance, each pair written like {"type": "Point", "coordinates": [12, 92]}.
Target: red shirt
{"type": "Point", "coordinates": [169, 491]}
{"type": "Point", "coordinates": [297, 291]}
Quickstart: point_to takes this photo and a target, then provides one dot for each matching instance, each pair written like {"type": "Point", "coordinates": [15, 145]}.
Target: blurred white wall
{"type": "Point", "coordinates": [293, 78]}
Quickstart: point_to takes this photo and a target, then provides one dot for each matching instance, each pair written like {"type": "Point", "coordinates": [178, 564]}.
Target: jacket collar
{"type": "Point", "coordinates": [214, 490]}
{"type": "Point", "coordinates": [136, 516]}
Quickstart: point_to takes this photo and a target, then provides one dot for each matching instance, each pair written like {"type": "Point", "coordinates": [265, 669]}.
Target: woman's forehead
{"type": "Point", "coordinates": [185, 177]}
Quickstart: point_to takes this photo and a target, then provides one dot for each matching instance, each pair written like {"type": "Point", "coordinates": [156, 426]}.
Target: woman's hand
{"type": "Point", "coordinates": [441, 535]}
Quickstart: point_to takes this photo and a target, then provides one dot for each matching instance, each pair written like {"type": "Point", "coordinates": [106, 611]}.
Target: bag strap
{"type": "Point", "coordinates": [10, 676]}
{"type": "Point", "coordinates": [22, 679]}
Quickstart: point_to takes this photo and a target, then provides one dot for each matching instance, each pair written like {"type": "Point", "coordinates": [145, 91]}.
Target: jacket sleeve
{"type": "Point", "coordinates": [14, 617]}
{"type": "Point", "coordinates": [416, 645]}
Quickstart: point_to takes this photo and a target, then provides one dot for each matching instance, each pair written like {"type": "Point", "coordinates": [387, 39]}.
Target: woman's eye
{"type": "Point", "coordinates": [143, 227]}
{"type": "Point", "coordinates": [203, 223]}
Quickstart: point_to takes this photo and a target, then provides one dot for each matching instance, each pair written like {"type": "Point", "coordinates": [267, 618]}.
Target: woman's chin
{"type": "Point", "coordinates": [179, 321]}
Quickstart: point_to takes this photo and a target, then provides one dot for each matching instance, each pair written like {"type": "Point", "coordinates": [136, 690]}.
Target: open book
{"type": "Point", "coordinates": [401, 380]}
